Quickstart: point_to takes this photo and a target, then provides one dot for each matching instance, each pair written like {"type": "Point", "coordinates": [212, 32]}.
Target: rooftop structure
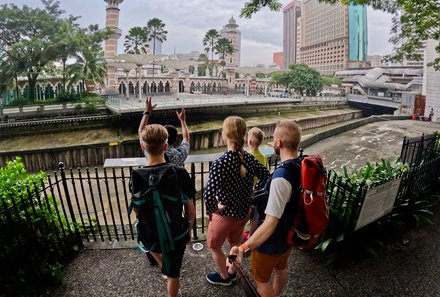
{"type": "Point", "coordinates": [382, 82]}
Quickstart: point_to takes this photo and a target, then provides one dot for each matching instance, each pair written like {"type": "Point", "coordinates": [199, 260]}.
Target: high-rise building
{"type": "Point", "coordinates": [431, 79]}
{"type": "Point", "coordinates": [157, 47]}
{"type": "Point", "coordinates": [333, 37]}
{"type": "Point", "coordinates": [231, 32]}
{"type": "Point", "coordinates": [291, 13]}
{"type": "Point", "coordinates": [298, 40]}
{"type": "Point", "coordinates": [278, 59]}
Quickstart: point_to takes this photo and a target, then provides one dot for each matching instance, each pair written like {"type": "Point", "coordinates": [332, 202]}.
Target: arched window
{"type": "Point", "coordinates": [167, 87]}
{"type": "Point", "coordinates": [181, 86]}
{"type": "Point", "coordinates": [161, 88]}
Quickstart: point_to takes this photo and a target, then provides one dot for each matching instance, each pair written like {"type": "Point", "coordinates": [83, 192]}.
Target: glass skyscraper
{"type": "Point", "coordinates": [357, 33]}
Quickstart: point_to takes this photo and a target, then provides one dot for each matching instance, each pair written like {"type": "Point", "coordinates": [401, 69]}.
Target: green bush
{"type": "Point", "coordinates": [64, 97]}
{"type": "Point", "coordinates": [20, 102]}
{"type": "Point", "coordinates": [370, 175]}
{"type": "Point", "coordinates": [90, 108]}
{"type": "Point", "coordinates": [31, 233]}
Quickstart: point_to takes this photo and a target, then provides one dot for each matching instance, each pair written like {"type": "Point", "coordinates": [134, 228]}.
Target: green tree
{"type": "Point", "coordinates": [414, 22]}
{"type": "Point", "coordinates": [210, 40]}
{"type": "Point", "coordinates": [136, 42]}
{"type": "Point", "coordinates": [156, 31]}
{"type": "Point", "coordinates": [90, 66]}
{"type": "Point", "coordinates": [66, 45]}
{"type": "Point", "coordinates": [279, 79]}
{"type": "Point", "coordinates": [30, 33]}
{"type": "Point", "coordinates": [304, 80]}
{"type": "Point", "coordinates": [254, 6]}
{"type": "Point", "coordinates": [223, 47]}
{"type": "Point", "coordinates": [201, 69]}
{"type": "Point", "coordinates": [331, 80]}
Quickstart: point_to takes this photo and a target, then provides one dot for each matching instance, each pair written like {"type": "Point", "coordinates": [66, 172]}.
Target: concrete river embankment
{"type": "Point", "coordinates": [90, 147]}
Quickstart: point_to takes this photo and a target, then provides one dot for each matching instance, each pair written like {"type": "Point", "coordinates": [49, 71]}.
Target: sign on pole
{"type": "Point", "coordinates": [378, 202]}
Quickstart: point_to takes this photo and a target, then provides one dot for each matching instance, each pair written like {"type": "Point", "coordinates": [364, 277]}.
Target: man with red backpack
{"type": "Point", "coordinates": [268, 243]}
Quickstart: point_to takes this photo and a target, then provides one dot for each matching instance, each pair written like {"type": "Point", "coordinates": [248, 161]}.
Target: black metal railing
{"type": "Point", "coordinates": [73, 206]}
{"type": "Point", "coordinates": [418, 150]}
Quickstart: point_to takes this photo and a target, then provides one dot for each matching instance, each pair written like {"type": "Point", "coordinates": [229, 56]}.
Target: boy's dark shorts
{"type": "Point", "coordinates": [172, 268]}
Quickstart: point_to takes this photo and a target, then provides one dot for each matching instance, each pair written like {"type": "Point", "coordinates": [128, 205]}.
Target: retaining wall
{"type": "Point", "coordinates": [95, 154]}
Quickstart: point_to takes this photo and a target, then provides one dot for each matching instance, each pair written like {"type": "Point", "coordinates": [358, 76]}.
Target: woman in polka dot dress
{"type": "Point", "coordinates": [227, 196]}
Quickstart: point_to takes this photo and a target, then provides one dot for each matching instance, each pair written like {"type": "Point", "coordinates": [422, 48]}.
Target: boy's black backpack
{"type": "Point", "coordinates": [159, 202]}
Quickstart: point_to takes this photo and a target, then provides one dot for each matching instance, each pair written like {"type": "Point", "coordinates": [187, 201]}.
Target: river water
{"type": "Point", "coordinates": [90, 136]}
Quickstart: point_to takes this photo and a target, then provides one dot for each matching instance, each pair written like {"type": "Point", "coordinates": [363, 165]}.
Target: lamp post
{"type": "Point", "coordinates": [139, 60]}
{"type": "Point", "coordinates": [179, 65]}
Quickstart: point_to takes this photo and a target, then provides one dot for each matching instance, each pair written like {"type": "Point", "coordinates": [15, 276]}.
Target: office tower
{"type": "Point", "coordinates": [157, 47]}
{"type": "Point", "coordinates": [333, 37]}
{"type": "Point", "coordinates": [431, 79]}
{"type": "Point", "coordinates": [278, 59]}
{"type": "Point", "coordinates": [291, 13]}
{"type": "Point", "coordinates": [231, 32]}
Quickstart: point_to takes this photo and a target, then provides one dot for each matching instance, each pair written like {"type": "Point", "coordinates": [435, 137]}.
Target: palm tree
{"type": "Point", "coordinates": [223, 47]}
{"type": "Point", "coordinates": [67, 43]}
{"type": "Point", "coordinates": [90, 66]}
{"type": "Point", "coordinates": [136, 42]}
{"type": "Point", "coordinates": [201, 69]}
{"type": "Point", "coordinates": [156, 31]}
{"type": "Point", "coordinates": [210, 40]}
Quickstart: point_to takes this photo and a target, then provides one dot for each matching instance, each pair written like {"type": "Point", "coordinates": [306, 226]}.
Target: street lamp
{"type": "Point", "coordinates": [179, 65]}
{"type": "Point", "coordinates": [139, 60]}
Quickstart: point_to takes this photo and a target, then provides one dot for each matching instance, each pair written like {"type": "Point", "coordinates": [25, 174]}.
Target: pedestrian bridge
{"type": "Point", "coordinates": [375, 100]}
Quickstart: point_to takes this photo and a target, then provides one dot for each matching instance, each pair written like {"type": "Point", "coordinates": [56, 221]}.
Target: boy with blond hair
{"type": "Point", "coordinates": [255, 137]}
{"type": "Point", "coordinates": [254, 140]}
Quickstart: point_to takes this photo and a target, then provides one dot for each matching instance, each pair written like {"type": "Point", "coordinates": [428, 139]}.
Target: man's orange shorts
{"type": "Point", "coordinates": [263, 264]}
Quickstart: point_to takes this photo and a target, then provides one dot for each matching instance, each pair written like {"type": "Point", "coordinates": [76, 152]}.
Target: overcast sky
{"type": "Point", "coordinates": [187, 21]}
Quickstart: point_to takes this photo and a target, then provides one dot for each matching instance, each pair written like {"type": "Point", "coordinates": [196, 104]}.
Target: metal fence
{"type": "Point", "coordinates": [419, 150]}
{"type": "Point", "coordinates": [73, 206]}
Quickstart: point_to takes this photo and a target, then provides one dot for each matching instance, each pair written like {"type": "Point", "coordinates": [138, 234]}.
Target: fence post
{"type": "Point", "coordinates": [69, 203]}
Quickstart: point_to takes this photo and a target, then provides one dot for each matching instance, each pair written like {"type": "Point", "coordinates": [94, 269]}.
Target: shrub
{"type": "Point", "coordinates": [33, 235]}
{"type": "Point", "coordinates": [64, 97]}
{"type": "Point", "coordinates": [350, 186]}
{"type": "Point", "coordinates": [20, 102]}
{"type": "Point", "coordinates": [90, 108]}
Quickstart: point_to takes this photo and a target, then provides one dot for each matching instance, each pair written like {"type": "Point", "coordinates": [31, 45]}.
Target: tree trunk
{"type": "Point", "coordinates": [32, 79]}
{"type": "Point", "coordinates": [64, 74]}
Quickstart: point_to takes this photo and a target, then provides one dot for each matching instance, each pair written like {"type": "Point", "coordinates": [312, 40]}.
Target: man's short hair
{"type": "Point", "coordinates": [290, 134]}
{"type": "Point", "coordinates": [172, 134]}
{"type": "Point", "coordinates": [154, 137]}
{"type": "Point", "coordinates": [256, 135]}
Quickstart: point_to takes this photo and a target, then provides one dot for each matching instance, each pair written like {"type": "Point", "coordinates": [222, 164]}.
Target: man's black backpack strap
{"type": "Point", "coordinates": [149, 185]}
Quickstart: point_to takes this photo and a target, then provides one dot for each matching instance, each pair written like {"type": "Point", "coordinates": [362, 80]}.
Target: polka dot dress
{"type": "Point", "coordinates": [226, 186]}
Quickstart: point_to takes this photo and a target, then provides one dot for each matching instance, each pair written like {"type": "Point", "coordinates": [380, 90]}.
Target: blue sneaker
{"type": "Point", "coordinates": [233, 276]}
{"type": "Point", "coordinates": [216, 279]}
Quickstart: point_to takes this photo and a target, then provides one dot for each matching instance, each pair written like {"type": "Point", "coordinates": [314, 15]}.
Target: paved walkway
{"type": "Point", "coordinates": [401, 268]}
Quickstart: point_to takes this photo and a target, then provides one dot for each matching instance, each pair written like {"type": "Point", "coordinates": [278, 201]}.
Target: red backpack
{"type": "Point", "coordinates": [311, 218]}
